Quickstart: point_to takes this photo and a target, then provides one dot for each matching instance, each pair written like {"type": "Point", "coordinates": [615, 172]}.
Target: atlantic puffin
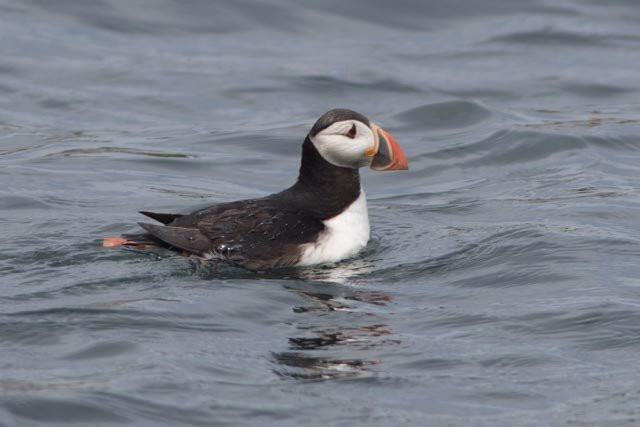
{"type": "Point", "coordinates": [320, 219]}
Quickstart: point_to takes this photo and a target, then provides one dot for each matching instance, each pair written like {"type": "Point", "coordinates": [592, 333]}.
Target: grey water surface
{"type": "Point", "coordinates": [501, 285]}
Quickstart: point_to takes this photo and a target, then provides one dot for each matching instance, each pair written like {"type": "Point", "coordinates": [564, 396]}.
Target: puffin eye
{"type": "Point", "coordinates": [352, 132]}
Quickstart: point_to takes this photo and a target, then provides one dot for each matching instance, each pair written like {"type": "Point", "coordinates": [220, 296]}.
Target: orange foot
{"type": "Point", "coordinates": [112, 242]}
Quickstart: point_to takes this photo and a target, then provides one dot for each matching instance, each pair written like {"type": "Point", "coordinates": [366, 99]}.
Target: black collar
{"type": "Point", "coordinates": [322, 190]}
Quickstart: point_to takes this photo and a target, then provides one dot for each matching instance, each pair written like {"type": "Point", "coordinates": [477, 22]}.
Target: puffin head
{"type": "Point", "coordinates": [348, 139]}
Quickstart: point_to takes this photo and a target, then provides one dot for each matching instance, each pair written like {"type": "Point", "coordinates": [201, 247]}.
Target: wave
{"type": "Point", "coordinates": [445, 115]}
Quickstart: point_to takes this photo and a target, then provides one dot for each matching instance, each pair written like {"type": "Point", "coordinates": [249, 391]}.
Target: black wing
{"type": "Point", "coordinates": [255, 234]}
{"type": "Point", "coordinates": [188, 239]}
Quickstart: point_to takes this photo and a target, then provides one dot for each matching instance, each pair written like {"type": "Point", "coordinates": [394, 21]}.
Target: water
{"type": "Point", "coordinates": [502, 282]}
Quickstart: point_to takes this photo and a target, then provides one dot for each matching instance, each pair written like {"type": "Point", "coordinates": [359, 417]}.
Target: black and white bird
{"type": "Point", "coordinates": [321, 219]}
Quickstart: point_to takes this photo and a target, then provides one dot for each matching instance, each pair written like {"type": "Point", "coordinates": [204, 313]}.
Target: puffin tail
{"type": "Point", "coordinates": [134, 241]}
{"type": "Point", "coordinates": [144, 240]}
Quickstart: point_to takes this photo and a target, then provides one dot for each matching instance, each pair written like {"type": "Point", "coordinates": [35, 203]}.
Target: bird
{"type": "Point", "coordinates": [321, 219]}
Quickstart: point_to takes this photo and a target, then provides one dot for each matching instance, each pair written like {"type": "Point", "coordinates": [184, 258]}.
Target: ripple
{"type": "Point", "coordinates": [61, 411]}
{"type": "Point", "coordinates": [21, 202]}
{"type": "Point", "coordinates": [432, 364]}
{"type": "Point", "coordinates": [514, 361]}
{"type": "Point", "coordinates": [335, 85]}
{"type": "Point", "coordinates": [100, 350]}
{"type": "Point", "coordinates": [550, 36]}
{"type": "Point", "coordinates": [515, 247]}
{"type": "Point", "coordinates": [46, 327]}
{"type": "Point", "coordinates": [603, 327]}
{"type": "Point", "coordinates": [595, 89]}
{"type": "Point", "coordinates": [409, 14]}
{"type": "Point", "coordinates": [511, 146]}
{"type": "Point", "coordinates": [58, 104]}
{"type": "Point", "coordinates": [198, 17]}
{"type": "Point", "coordinates": [85, 152]}
{"type": "Point", "coordinates": [495, 95]}
{"type": "Point", "coordinates": [456, 321]}
{"type": "Point", "coordinates": [445, 115]}
{"type": "Point", "coordinates": [522, 277]}
{"type": "Point", "coordinates": [7, 90]}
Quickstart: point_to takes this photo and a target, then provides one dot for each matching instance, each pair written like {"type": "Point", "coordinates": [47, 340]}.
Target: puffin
{"type": "Point", "coordinates": [321, 219]}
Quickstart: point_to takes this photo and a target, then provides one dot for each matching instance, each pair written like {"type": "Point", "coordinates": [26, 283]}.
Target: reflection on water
{"type": "Point", "coordinates": [301, 366]}
{"type": "Point", "coordinates": [345, 272]}
{"type": "Point", "coordinates": [326, 290]}
{"type": "Point", "coordinates": [310, 356]}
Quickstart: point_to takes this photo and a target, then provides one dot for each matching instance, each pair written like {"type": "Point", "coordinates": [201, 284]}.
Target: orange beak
{"type": "Point", "coordinates": [389, 156]}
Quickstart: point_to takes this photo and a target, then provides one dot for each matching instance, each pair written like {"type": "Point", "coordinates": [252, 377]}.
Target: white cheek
{"type": "Point", "coordinates": [343, 151]}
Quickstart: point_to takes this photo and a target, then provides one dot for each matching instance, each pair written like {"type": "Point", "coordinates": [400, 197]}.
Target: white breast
{"type": "Point", "coordinates": [344, 236]}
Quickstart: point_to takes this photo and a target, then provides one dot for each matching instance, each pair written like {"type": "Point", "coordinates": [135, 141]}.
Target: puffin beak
{"type": "Point", "coordinates": [387, 154]}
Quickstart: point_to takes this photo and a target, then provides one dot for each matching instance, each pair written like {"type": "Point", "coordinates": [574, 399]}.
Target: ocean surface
{"type": "Point", "coordinates": [501, 285]}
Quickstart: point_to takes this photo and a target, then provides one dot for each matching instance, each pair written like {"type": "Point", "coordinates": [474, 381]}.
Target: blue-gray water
{"type": "Point", "coordinates": [502, 282]}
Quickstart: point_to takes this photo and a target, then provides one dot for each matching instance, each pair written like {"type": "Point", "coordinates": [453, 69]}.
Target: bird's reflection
{"type": "Point", "coordinates": [337, 319]}
{"type": "Point", "coordinates": [341, 273]}
{"type": "Point", "coordinates": [316, 354]}
{"type": "Point", "coordinates": [305, 367]}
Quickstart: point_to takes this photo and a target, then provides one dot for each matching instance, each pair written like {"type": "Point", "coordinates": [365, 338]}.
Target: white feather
{"type": "Point", "coordinates": [344, 236]}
